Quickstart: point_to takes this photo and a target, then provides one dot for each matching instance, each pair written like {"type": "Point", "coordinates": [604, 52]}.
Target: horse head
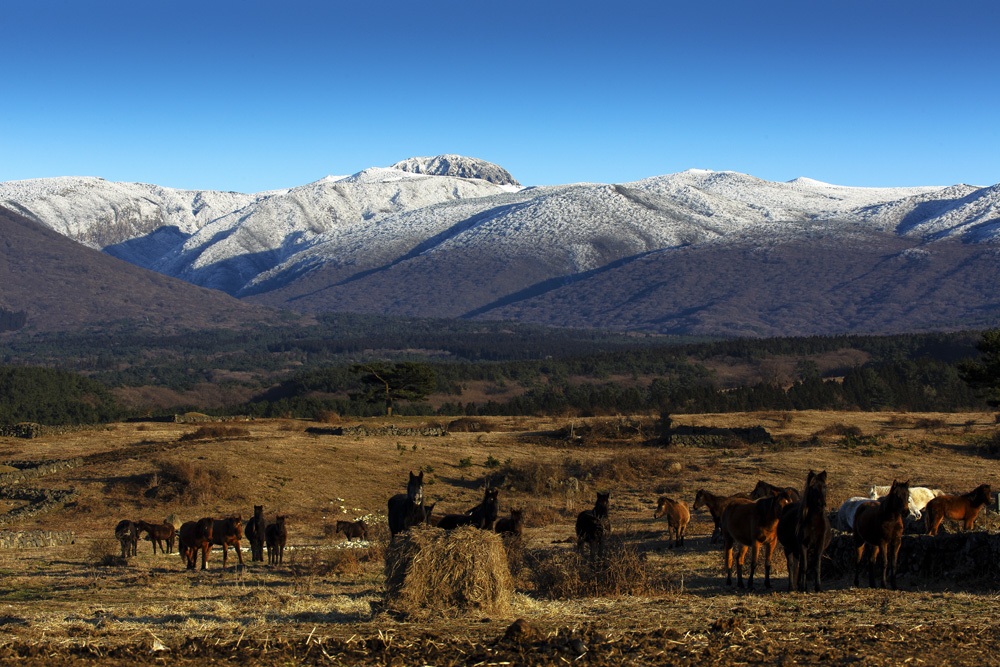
{"type": "Point", "coordinates": [602, 505]}
{"type": "Point", "coordinates": [415, 488]}
{"type": "Point", "coordinates": [699, 499]}
{"type": "Point", "coordinates": [983, 494]}
{"type": "Point", "coordinates": [898, 498]}
{"type": "Point", "coordinates": [661, 506]}
{"type": "Point", "coordinates": [815, 492]}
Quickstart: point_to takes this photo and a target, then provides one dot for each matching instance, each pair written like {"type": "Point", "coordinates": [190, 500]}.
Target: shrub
{"type": "Point", "coordinates": [216, 432]}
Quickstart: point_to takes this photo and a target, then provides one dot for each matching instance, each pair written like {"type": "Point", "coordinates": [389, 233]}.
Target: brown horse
{"type": "Point", "coordinates": [159, 534]}
{"type": "Point", "coordinates": [227, 533]}
{"type": "Point", "coordinates": [964, 508]}
{"type": "Point", "coordinates": [804, 533]}
{"type": "Point", "coordinates": [763, 490]}
{"type": "Point", "coordinates": [196, 536]}
{"type": "Point", "coordinates": [592, 526]}
{"type": "Point", "coordinates": [677, 515]}
{"type": "Point", "coordinates": [276, 535]}
{"type": "Point", "coordinates": [254, 532]}
{"type": "Point", "coordinates": [127, 535]}
{"type": "Point", "coordinates": [352, 529]}
{"type": "Point", "coordinates": [715, 505]}
{"type": "Point", "coordinates": [751, 524]}
{"type": "Point", "coordinates": [879, 524]}
{"type": "Point", "coordinates": [513, 525]}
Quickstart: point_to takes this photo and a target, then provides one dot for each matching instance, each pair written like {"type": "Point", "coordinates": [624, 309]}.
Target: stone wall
{"type": "Point", "coordinates": [27, 539]}
{"type": "Point", "coordinates": [33, 469]}
{"type": "Point", "coordinates": [39, 500]}
{"type": "Point", "coordinates": [954, 556]}
{"type": "Point", "coordinates": [430, 431]}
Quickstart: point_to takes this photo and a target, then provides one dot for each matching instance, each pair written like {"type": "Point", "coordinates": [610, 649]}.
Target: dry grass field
{"type": "Point", "coordinates": [326, 604]}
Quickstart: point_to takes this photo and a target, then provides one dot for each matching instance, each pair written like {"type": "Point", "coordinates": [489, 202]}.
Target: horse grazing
{"type": "Point", "coordinates": [592, 526]}
{"type": "Point", "coordinates": [227, 533]}
{"type": "Point", "coordinates": [804, 533]}
{"type": "Point", "coordinates": [254, 532]}
{"type": "Point", "coordinates": [879, 524]}
{"type": "Point", "coordinates": [482, 516]}
{"type": "Point", "coordinates": [407, 509]}
{"type": "Point", "coordinates": [677, 515]}
{"type": "Point", "coordinates": [127, 535]}
{"type": "Point", "coordinates": [159, 534]}
{"type": "Point", "coordinates": [715, 505]}
{"type": "Point", "coordinates": [196, 536]}
{"type": "Point", "coordinates": [751, 524]}
{"type": "Point", "coordinates": [964, 508]}
{"type": "Point", "coordinates": [763, 490]}
{"type": "Point", "coordinates": [353, 529]}
{"type": "Point", "coordinates": [512, 525]}
{"type": "Point", "coordinates": [276, 535]}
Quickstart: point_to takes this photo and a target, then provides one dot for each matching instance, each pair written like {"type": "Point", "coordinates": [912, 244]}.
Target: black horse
{"type": "Point", "coordinates": [407, 509]}
{"type": "Point", "coordinates": [804, 533]}
{"type": "Point", "coordinates": [483, 516]}
{"type": "Point", "coordinates": [254, 532]}
{"type": "Point", "coordinates": [592, 526]}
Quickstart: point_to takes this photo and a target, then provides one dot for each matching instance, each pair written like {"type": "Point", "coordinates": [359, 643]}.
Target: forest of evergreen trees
{"type": "Point", "coordinates": [304, 371]}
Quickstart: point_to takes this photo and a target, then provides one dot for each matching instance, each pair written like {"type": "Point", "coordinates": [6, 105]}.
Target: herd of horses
{"type": "Point", "coordinates": [194, 537]}
{"type": "Point", "coordinates": [756, 522]}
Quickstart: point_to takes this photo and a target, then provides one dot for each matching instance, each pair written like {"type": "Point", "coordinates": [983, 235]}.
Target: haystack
{"type": "Point", "coordinates": [466, 568]}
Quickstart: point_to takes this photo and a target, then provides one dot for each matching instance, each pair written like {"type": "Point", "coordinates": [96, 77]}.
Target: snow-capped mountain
{"type": "Point", "coordinates": [455, 236]}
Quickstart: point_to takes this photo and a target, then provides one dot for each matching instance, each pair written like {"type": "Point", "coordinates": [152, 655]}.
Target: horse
{"type": "Point", "coordinates": [879, 524]}
{"type": "Point", "coordinates": [804, 533]}
{"type": "Point", "coordinates": [592, 526]}
{"type": "Point", "coordinates": [847, 510]}
{"type": "Point", "coordinates": [763, 490]}
{"type": "Point", "coordinates": [715, 505]}
{"type": "Point", "coordinates": [254, 532]}
{"type": "Point", "coordinates": [482, 516]}
{"type": "Point", "coordinates": [158, 534]}
{"type": "Point", "coordinates": [513, 525]}
{"type": "Point", "coordinates": [677, 515]}
{"type": "Point", "coordinates": [353, 529]}
{"type": "Point", "coordinates": [964, 508]}
{"type": "Point", "coordinates": [919, 497]}
{"type": "Point", "coordinates": [196, 536]}
{"type": "Point", "coordinates": [407, 509]}
{"type": "Point", "coordinates": [227, 533]}
{"type": "Point", "coordinates": [128, 536]}
{"type": "Point", "coordinates": [276, 535]}
{"type": "Point", "coordinates": [751, 524]}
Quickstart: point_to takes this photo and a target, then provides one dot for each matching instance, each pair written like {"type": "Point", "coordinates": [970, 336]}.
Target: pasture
{"type": "Point", "coordinates": [325, 604]}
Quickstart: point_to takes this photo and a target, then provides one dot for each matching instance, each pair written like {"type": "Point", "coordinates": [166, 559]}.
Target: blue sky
{"type": "Point", "coordinates": [251, 95]}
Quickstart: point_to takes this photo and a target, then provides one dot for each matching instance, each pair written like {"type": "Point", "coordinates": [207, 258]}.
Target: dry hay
{"type": "Point", "coordinates": [466, 568]}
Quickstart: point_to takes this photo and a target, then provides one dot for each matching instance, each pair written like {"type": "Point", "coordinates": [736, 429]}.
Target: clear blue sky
{"type": "Point", "coordinates": [252, 95]}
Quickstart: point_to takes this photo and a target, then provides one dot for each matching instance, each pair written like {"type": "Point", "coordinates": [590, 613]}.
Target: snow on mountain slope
{"type": "Point", "coordinates": [100, 213]}
{"type": "Point", "coordinates": [451, 206]}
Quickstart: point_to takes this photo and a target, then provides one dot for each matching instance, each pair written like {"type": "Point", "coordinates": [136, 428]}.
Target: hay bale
{"type": "Point", "coordinates": [466, 568]}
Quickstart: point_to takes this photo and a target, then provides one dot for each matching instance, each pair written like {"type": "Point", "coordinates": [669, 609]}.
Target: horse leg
{"type": "Point", "coordinates": [768, 550]}
{"type": "Point", "coordinates": [878, 556]}
{"type": "Point", "coordinates": [204, 556]}
{"type": "Point", "coordinates": [857, 564]}
{"type": "Point", "coordinates": [727, 560]}
{"type": "Point", "coordinates": [754, 551]}
{"type": "Point", "coordinates": [896, 543]}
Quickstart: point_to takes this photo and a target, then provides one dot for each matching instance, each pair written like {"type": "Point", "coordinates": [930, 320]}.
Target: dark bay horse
{"type": "Point", "coordinates": [715, 505]}
{"type": "Point", "coordinates": [352, 529]}
{"type": "Point", "coordinates": [751, 525]}
{"type": "Point", "coordinates": [763, 490]}
{"type": "Point", "coordinates": [276, 536]}
{"type": "Point", "coordinates": [227, 533]}
{"type": "Point", "coordinates": [159, 534]}
{"type": "Point", "coordinates": [482, 516]}
{"type": "Point", "coordinates": [879, 524]}
{"type": "Point", "coordinates": [127, 535]}
{"type": "Point", "coordinates": [254, 532]}
{"type": "Point", "coordinates": [593, 526]}
{"type": "Point", "coordinates": [804, 533]}
{"type": "Point", "coordinates": [513, 525]}
{"type": "Point", "coordinates": [196, 536]}
{"type": "Point", "coordinates": [964, 508]}
{"type": "Point", "coordinates": [407, 509]}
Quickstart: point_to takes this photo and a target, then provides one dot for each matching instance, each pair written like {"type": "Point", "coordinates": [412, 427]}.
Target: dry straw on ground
{"type": "Point", "coordinates": [465, 569]}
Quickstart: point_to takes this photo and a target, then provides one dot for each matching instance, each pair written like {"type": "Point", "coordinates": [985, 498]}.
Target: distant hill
{"type": "Point", "coordinates": [60, 284]}
{"type": "Point", "coordinates": [697, 252]}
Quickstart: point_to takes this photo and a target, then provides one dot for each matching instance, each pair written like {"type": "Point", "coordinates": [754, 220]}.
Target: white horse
{"type": "Point", "coordinates": [848, 509]}
{"type": "Point", "coordinates": [919, 497]}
